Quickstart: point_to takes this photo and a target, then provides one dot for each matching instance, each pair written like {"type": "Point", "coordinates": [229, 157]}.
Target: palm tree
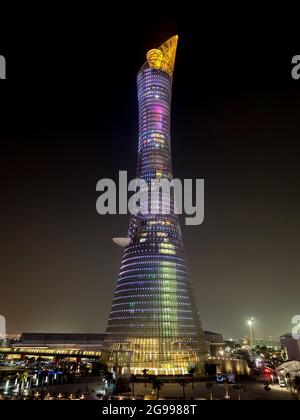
{"type": "Point", "coordinates": [209, 386]}
{"type": "Point", "coordinates": [239, 387]}
{"type": "Point", "coordinates": [192, 372]}
{"type": "Point", "coordinates": [297, 386]}
{"type": "Point", "coordinates": [132, 380]}
{"type": "Point", "coordinates": [183, 383]}
{"type": "Point", "coordinates": [23, 378]}
{"type": "Point", "coordinates": [267, 389]}
{"type": "Point", "coordinates": [145, 371]}
{"type": "Point", "coordinates": [109, 384]}
{"type": "Point", "coordinates": [288, 379]}
{"type": "Point", "coordinates": [157, 385]}
{"type": "Point", "coordinates": [227, 394]}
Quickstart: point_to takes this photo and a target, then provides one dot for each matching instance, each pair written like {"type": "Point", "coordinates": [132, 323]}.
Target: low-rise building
{"type": "Point", "coordinates": [62, 340]}
{"type": "Point", "coordinates": [215, 343]}
{"type": "Point", "coordinates": [291, 346]}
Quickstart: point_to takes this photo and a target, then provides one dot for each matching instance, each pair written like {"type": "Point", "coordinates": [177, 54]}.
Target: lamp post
{"type": "Point", "coordinates": [251, 330]}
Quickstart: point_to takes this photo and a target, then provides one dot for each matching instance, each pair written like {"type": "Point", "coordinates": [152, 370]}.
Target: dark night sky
{"type": "Point", "coordinates": [68, 117]}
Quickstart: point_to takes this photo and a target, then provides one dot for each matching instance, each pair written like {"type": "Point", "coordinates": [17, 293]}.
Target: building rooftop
{"type": "Point", "coordinates": [65, 338]}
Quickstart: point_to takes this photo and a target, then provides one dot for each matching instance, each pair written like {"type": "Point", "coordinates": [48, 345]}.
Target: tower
{"type": "Point", "coordinates": [153, 313]}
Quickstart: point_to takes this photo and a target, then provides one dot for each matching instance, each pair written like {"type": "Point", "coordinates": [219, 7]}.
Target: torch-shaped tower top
{"type": "Point", "coordinates": [163, 57]}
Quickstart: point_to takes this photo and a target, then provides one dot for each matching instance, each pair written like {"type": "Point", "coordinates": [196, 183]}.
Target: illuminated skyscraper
{"type": "Point", "coordinates": [153, 312]}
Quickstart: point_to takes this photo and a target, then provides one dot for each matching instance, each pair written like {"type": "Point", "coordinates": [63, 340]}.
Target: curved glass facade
{"type": "Point", "coordinates": [153, 312]}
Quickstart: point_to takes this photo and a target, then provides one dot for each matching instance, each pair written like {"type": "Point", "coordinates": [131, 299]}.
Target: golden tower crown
{"type": "Point", "coordinates": [163, 57]}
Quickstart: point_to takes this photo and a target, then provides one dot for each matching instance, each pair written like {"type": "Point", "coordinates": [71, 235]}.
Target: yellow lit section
{"type": "Point", "coordinates": [164, 234]}
{"type": "Point", "coordinates": [160, 356]}
{"type": "Point", "coordinates": [163, 58]}
{"type": "Point", "coordinates": [164, 245]}
{"type": "Point", "coordinates": [159, 222]}
{"type": "Point", "coordinates": [157, 136]}
{"type": "Point", "coordinates": [165, 248]}
{"type": "Point", "coordinates": [48, 351]}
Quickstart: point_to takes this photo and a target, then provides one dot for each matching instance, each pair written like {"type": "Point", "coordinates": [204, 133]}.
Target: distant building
{"type": "Point", "coordinates": [2, 327]}
{"type": "Point", "coordinates": [213, 337]}
{"type": "Point", "coordinates": [291, 345]}
{"type": "Point", "coordinates": [268, 342]}
{"type": "Point", "coordinates": [62, 340]}
{"type": "Point", "coordinates": [233, 343]}
{"type": "Point", "coordinates": [215, 343]}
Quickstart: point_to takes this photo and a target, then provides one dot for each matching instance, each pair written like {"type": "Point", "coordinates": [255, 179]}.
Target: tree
{"type": "Point", "coordinates": [288, 380]}
{"type": "Point", "coordinates": [145, 374]}
{"type": "Point", "coordinates": [227, 394]}
{"type": "Point", "coordinates": [297, 386]}
{"type": "Point", "coordinates": [192, 373]}
{"type": "Point", "coordinates": [183, 383]}
{"type": "Point", "coordinates": [239, 387]}
{"type": "Point", "coordinates": [109, 383]}
{"type": "Point", "coordinates": [157, 385]}
{"type": "Point", "coordinates": [267, 389]}
{"type": "Point", "coordinates": [132, 380]}
{"type": "Point", "coordinates": [23, 378]}
{"type": "Point", "coordinates": [209, 386]}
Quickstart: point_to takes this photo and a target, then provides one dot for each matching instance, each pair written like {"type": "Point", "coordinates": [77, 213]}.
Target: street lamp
{"type": "Point", "coordinates": [250, 322]}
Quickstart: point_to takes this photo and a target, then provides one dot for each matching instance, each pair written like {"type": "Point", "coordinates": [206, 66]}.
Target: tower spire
{"type": "Point", "coordinates": [163, 57]}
